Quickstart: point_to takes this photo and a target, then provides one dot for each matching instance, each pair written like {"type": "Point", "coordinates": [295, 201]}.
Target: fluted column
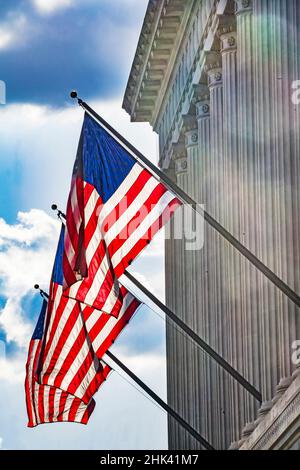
{"type": "Point", "coordinates": [277, 178]}
{"type": "Point", "coordinates": [231, 212]}
{"type": "Point", "coordinates": [193, 256]}
{"type": "Point", "coordinates": [171, 333]}
{"type": "Point", "coordinates": [214, 245]}
{"type": "Point", "coordinates": [294, 113]}
{"type": "Point", "coordinates": [285, 58]}
{"type": "Point", "coordinates": [192, 188]}
{"type": "Point", "coordinates": [215, 84]}
{"type": "Point", "coordinates": [198, 177]}
{"type": "Point", "coordinates": [199, 174]}
{"type": "Point", "coordinates": [181, 300]}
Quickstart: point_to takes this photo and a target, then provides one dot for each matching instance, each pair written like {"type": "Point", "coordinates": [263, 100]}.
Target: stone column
{"type": "Point", "coordinates": [294, 113]}
{"type": "Point", "coordinates": [171, 333]}
{"type": "Point", "coordinates": [231, 213]}
{"type": "Point", "coordinates": [277, 153]}
{"type": "Point", "coordinates": [215, 245]}
{"type": "Point", "coordinates": [199, 171]}
{"type": "Point", "coordinates": [198, 177]}
{"type": "Point", "coordinates": [181, 302]}
{"type": "Point", "coordinates": [196, 386]}
{"type": "Point", "coordinates": [215, 84]}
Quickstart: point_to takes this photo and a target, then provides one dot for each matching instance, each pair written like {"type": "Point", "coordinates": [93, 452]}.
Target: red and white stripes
{"type": "Point", "coordinates": [47, 404]}
{"type": "Point", "coordinates": [68, 360]}
{"type": "Point", "coordinates": [114, 235]}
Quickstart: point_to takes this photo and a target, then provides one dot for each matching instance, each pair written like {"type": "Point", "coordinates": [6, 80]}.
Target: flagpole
{"type": "Point", "coordinates": [203, 345]}
{"type": "Point", "coordinates": [161, 402]}
{"type": "Point", "coordinates": [149, 391]}
{"type": "Point", "coordinates": [42, 292]}
{"type": "Point", "coordinates": [186, 199]}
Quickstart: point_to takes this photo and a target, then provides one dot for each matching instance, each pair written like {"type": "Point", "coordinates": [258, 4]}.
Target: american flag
{"type": "Point", "coordinates": [75, 335]}
{"type": "Point", "coordinates": [46, 404]}
{"type": "Point", "coordinates": [67, 359]}
{"type": "Point", "coordinates": [114, 210]}
{"type": "Point", "coordinates": [104, 329]}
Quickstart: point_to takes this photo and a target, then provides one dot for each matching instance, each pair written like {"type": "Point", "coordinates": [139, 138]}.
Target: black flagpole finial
{"type": "Point", "coordinates": [55, 208]}
{"type": "Point", "coordinates": [42, 293]}
{"type": "Point", "coordinates": [74, 96]}
{"type": "Point", "coordinates": [60, 214]}
{"type": "Point", "coordinates": [37, 287]}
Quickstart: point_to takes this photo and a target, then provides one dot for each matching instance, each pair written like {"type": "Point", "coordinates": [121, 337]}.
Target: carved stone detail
{"type": "Point", "coordinates": [189, 122]}
{"type": "Point", "coordinates": [203, 109]}
{"type": "Point", "coordinates": [281, 388]}
{"type": "Point", "coordinates": [228, 41]}
{"type": "Point", "coordinates": [191, 138]}
{"type": "Point", "coordinates": [181, 166]}
{"type": "Point", "coordinates": [243, 6]}
{"type": "Point", "coordinates": [265, 408]}
{"type": "Point", "coordinates": [200, 93]}
{"type": "Point", "coordinates": [296, 372]}
{"type": "Point", "coordinates": [213, 69]}
{"type": "Point", "coordinates": [214, 77]}
{"type": "Point", "coordinates": [282, 416]}
{"type": "Point", "coordinates": [179, 155]}
{"type": "Point", "coordinates": [248, 429]}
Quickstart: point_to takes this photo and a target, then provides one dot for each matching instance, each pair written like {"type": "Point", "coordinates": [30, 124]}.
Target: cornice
{"type": "Point", "coordinates": [165, 28]}
{"type": "Point", "coordinates": [153, 54]}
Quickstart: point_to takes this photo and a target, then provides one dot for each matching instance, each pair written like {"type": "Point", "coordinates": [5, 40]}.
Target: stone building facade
{"type": "Point", "coordinates": [216, 79]}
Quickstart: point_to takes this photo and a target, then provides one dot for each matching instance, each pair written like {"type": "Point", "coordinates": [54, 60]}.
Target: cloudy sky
{"type": "Point", "coordinates": [47, 48]}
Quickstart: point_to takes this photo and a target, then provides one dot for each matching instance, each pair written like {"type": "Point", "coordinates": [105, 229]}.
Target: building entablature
{"type": "Point", "coordinates": [172, 60]}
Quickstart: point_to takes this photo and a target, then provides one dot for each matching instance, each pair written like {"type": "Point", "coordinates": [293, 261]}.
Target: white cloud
{"type": "Point", "coordinates": [31, 227]}
{"type": "Point", "coordinates": [12, 30]}
{"type": "Point", "coordinates": [14, 323]}
{"type": "Point", "coordinates": [6, 37]}
{"type": "Point", "coordinates": [45, 141]}
{"type": "Point", "coordinates": [51, 6]}
{"type": "Point", "coordinates": [27, 252]}
{"type": "Point", "coordinates": [12, 370]}
{"type": "Point", "coordinates": [26, 257]}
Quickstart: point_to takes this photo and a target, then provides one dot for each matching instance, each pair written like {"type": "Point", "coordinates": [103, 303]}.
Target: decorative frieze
{"type": "Point", "coordinates": [189, 122]}
{"type": "Point", "coordinates": [191, 138]}
{"type": "Point", "coordinates": [179, 156]}
{"type": "Point", "coordinates": [190, 129]}
{"type": "Point", "coordinates": [213, 69]}
{"type": "Point", "coordinates": [227, 35]}
{"type": "Point", "coordinates": [203, 109]}
{"type": "Point", "coordinates": [201, 99]}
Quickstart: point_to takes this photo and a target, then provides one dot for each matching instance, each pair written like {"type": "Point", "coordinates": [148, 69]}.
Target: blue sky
{"type": "Point", "coordinates": [50, 49]}
{"type": "Point", "coordinates": [47, 48]}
